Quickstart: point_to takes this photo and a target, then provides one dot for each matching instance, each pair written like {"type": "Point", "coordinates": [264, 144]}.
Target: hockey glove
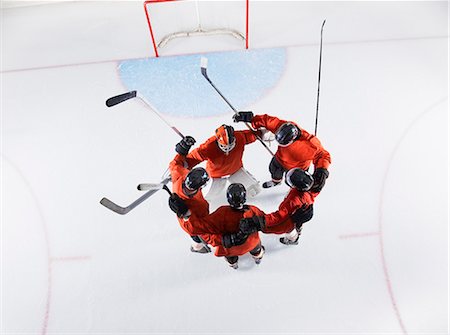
{"type": "Point", "coordinates": [303, 214]}
{"type": "Point", "coordinates": [184, 145]}
{"type": "Point", "coordinates": [243, 117]}
{"type": "Point", "coordinates": [320, 175]}
{"type": "Point", "coordinates": [251, 225]}
{"type": "Point", "coordinates": [231, 240]}
{"type": "Point", "coordinates": [177, 205]}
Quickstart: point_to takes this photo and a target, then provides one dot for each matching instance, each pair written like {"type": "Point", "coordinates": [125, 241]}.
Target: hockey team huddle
{"type": "Point", "coordinates": [234, 230]}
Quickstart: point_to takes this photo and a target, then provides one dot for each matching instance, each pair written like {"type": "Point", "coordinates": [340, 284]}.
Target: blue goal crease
{"type": "Point", "coordinates": [175, 86]}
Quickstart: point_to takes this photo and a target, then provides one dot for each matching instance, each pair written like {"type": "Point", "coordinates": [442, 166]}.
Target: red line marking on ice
{"type": "Point", "coordinates": [348, 236]}
{"type": "Point", "coordinates": [380, 211]}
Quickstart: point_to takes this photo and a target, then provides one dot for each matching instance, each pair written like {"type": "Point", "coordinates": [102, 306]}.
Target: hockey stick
{"type": "Point", "coordinates": [120, 98]}
{"type": "Point", "coordinates": [148, 186]}
{"type": "Point", "coordinates": [135, 94]}
{"type": "Point", "coordinates": [124, 210]}
{"type": "Point", "coordinates": [318, 83]}
{"type": "Point", "coordinates": [204, 65]}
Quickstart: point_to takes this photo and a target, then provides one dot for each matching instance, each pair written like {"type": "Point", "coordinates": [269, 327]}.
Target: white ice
{"type": "Point", "coordinates": [374, 259]}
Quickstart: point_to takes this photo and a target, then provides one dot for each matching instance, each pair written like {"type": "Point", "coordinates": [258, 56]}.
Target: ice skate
{"type": "Point", "coordinates": [232, 262]}
{"type": "Point", "coordinates": [270, 183]}
{"type": "Point", "coordinates": [200, 248]}
{"type": "Point", "coordinates": [291, 238]}
{"type": "Point", "coordinates": [257, 258]}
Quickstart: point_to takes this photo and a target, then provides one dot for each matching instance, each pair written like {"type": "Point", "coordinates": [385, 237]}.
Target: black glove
{"type": "Point", "coordinates": [177, 205]}
{"type": "Point", "coordinates": [320, 175]}
{"type": "Point", "coordinates": [243, 116]}
{"type": "Point", "coordinates": [251, 225]}
{"type": "Point", "coordinates": [184, 145]}
{"type": "Point", "coordinates": [231, 240]}
{"type": "Point", "coordinates": [303, 214]}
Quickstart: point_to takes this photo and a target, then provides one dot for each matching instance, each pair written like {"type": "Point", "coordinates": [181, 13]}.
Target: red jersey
{"type": "Point", "coordinates": [196, 203]}
{"type": "Point", "coordinates": [225, 220]}
{"type": "Point", "coordinates": [302, 152]}
{"type": "Point", "coordinates": [280, 221]}
{"type": "Point", "coordinates": [218, 163]}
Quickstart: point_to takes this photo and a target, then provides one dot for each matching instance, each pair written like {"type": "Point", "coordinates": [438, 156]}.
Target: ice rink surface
{"type": "Point", "coordinates": [373, 260]}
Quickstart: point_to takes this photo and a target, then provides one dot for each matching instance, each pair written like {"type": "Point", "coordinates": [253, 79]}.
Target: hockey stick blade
{"type": "Point", "coordinates": [120, 98]}
{"type": "Point", "coordinates": [203, 66]}
{"type": "Point", "coordinates": [124, 210]}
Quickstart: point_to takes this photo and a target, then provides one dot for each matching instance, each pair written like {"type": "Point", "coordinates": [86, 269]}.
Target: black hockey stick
{"type": "Point", "coordinates": [124, 210]}
{"type": "Point", "coordinates": [318, 82]}
{"type": "Point", "coordinates": [120, 98]}
{"type": "Point", "coordinates": [134, 94]}
{"type": "Point", "coordinates": [204, 65]}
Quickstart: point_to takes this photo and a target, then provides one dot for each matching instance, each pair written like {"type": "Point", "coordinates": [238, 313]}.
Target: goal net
{"type": "Point", "coordinates": [170, 19]}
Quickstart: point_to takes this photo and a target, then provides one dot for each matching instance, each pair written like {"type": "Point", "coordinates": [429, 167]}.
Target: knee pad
{"type": "Point", "coordinates": [253, 190]}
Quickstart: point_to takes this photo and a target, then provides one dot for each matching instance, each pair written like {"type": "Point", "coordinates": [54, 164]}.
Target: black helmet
{"type": "Point", "coordinates": [300, 179]}
{"type": "Point", "coordinates": [236, 195]}
{"type": "Point", "coordinates": [287, 133]}
{"type": "Point", "coordinates": [196, 178]}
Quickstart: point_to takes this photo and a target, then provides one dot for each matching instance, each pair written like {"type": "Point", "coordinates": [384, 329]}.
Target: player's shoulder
{"type": "Point", "coordinates": [208, 144]}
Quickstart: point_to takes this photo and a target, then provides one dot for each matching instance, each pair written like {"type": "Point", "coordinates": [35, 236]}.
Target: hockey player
{"type": "Point", "coordinates": [296, 209]}
{"type": "Point", "coordinates": [230, 243]}
{"type": "Point", "coordinates": [223, 155]}
{"type": "Point", "coordinates": [186, 195]}
{"type": "Point", "coordinates": [296, 148]}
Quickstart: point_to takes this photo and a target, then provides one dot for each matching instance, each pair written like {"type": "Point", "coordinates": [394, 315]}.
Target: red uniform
{"type": "Point", "coordinates": [218, 163]}
{"type": "Point", "coordinates": [302, 152]}
{"type": "Point", "coordinates": [196, 203]}
{"type": "Point", "coordinates": [226, 220]}
{"type": "Point", "coordinates": [280, 221]}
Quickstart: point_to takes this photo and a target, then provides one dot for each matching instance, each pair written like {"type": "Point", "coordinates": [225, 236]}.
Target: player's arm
{"type": "Point", "coordinates": [322, 160]}
{"type": "Point", "coordinates": [271, 123]}
{"type": "Point", "coordinates": [198, 155]}
{"type": "Point", "coordinates": [210, 224]}
{"type": "Point", "coordinates": [177, 168]}
{"type": "Point", "coordinates": [250, 136]}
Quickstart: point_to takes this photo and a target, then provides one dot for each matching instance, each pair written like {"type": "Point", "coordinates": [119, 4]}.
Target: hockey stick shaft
{"type": "Point", "coordinates": [124, 210]}
{"type": "Point", "coordinates": [134, 94]}
{"type": "Point", "coordinates": [318, 81]}
{"type": "Point", "coordinates": [205, 75]}
{"type": "Point", "coordinates": [154, 110]}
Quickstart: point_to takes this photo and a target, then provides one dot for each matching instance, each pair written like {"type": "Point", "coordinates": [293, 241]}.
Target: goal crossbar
{"type": "Point", "coordinates": [195, 32]}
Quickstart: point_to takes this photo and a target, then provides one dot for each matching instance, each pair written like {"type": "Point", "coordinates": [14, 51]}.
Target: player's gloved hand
{"type": "Point", "coordinates": [243, 117]}
{"type": "Point", "coordinates": [320, 175]}
{"type": "Point", "coordinates": [303, 214]}
{"type": "Point", "coordinates": [251, 225]}
{"type": "Point", "coordinates": [231, 240]}
{"type": "Point", "coordinates": [184, 145]}
{"type": "Point", "coordinates": [177, 205]}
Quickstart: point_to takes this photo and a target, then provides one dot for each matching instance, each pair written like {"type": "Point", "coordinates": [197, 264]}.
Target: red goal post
{"type": "Point", "coordinates": [180, 18]}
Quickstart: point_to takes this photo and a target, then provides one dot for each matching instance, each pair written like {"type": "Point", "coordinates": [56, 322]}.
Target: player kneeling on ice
{"type": "Point", "coordinates": [231, 242]}
{"type": "Point", "coordinates": [293, 212]}
{"type": "Point", "coordinates": [186, 197]}
{"type": "Point", "coordinates": [223, 155]}
{"type": "Point", "coordinates": [296, 148]}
